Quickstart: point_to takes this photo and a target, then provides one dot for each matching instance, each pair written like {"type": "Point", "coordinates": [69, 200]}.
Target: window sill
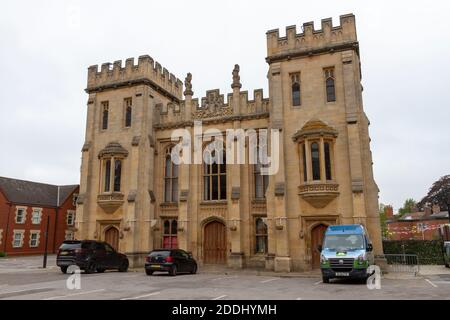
{"type": "Point", "coordinates": [319, 193]}
{"type": "Point", "coordinates": [110, 202]}
{"type": "Point", "coordinates": [214, 202]}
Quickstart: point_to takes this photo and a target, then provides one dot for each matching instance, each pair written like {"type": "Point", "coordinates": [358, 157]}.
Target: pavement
{"type": "Point", "coordinates": [24, 278]}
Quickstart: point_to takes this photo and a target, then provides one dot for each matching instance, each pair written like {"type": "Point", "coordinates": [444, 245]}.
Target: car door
{"type": "Point", "coordinates": [188, 262]}
{"type": "Point", "coordinates": [99, 254]}
{"type": "Point", "coordinates": [111, 257]}
{"type": "Point", "coordinates": [180, 260]}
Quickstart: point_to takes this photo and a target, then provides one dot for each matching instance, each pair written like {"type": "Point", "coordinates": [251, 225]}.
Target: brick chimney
{"type": "Point", "coordinates": [436, 208]}
{"type": "Point", "coordinates": [427, 211]}
{"type": "Point", "coordinates": [388, 211]}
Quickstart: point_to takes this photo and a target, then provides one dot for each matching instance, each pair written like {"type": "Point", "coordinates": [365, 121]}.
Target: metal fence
{"type": "Point", "coordinates": [408, 263]}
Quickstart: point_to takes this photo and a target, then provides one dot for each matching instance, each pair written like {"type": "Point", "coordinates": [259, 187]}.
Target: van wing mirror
{"type": "Point", "coordinates": [369, 247]}
{"type": "Point", "coordinates": [319, 247]}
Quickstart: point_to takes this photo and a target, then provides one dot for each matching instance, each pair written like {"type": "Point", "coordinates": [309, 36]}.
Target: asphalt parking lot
{"type": "Point", "coordinates": [23, 278]}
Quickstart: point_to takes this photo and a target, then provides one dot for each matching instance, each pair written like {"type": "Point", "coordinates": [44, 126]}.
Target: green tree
{"type": "Point", "coordinates": [407, 206]}
{"type": "Point", "coordinates": [382, 213]}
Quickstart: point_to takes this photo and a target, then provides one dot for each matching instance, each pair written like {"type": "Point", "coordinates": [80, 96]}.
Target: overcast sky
{"type": "Point", "coordinates": [46, 47]}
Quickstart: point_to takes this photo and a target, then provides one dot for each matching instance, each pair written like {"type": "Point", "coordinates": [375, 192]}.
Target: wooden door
{"type": "Point", "coordinates": [317, 235]}
{"type": "Point", "coordinates": [215, 243]}
{"type": "Point", "coordinates": [112, 237]}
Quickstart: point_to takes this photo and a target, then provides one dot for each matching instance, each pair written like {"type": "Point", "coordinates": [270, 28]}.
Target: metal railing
{"type": "Point", "coordinates": [408, 263]}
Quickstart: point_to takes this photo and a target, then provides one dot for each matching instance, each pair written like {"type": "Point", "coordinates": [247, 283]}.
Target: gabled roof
{"type": "Point", "coordinates": [35, 193]}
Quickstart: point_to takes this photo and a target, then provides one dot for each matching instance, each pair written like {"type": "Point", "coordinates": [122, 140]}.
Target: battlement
{"type": "Point", "coordinates": [147, 71]}
{"type": "Point", "coordinates": [311, 41]}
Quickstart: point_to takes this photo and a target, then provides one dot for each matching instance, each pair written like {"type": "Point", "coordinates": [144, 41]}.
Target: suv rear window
{"type": "Point", "coordinates": [74, 245]}
{"type": "Point", "coordinates": [162, 253]}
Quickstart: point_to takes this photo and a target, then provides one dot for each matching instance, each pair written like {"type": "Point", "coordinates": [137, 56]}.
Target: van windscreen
{"type": "Point", "coordinates": [344, 242]}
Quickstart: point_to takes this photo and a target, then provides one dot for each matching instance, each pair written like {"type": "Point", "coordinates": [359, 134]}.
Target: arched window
{"type": "Point", "coordinates": [327, 160]}
{"type": "Point", "coordinates": [170, 234]}
{"type": "Point", "coordinates": [170, 178]}
{"type": "Point", "coordinates": [128, 109]}
{"type": "Point", "coordinates": [215, 178]}
{"type": "Point", "coordinates": [330, 86]}
{"type": "Point", "coordinates": [305, 171]}
{"type": "Point", "coordinates": [107, 179]}
{"type": "Point", "coordinates": [315, 160]}
{"type": "Point", "coordinates": [105, 112]}
{"type": "Point", "coordinates": [295, 86]}
{"type": "Point", "coordinates": [117, 174]}
{"type": "Point", "coordinates": [261, 236]}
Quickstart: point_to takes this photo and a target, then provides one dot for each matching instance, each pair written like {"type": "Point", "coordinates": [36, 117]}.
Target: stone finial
{"type": "Point", "coordinates": [236, 78]}
{"type": "Point", "coordinates": [188, 85]}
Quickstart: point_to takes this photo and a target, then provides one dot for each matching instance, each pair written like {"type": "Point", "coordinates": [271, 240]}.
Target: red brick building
{"type": "Point", "coordinates": [431, 224]}
{"type": "Point", "coordinates": [25, 208]}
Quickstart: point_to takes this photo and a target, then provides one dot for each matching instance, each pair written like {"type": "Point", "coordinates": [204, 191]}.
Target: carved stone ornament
{"type": "Point", "coordinates": [236, 78]}
{"type": "Point", "coordinates": [188, 85]}
{"type": "Point", "coordinates": [213, 106]}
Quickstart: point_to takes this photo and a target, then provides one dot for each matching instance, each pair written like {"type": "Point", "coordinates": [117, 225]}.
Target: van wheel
{"type": "Point", "coordinates": [124, 266]}
{"type": "Point", "coordinates": [447, 265]}
{"type": "Point", "coordinates": [148, 272]}
{"type": "Point", "coordinates": [173, 271]}
{"type": "Point", "coordinates": [64, 269]}
{"type": "Point", "coordinates": [100, 270]}
{"type": "Point", "coordinates": [325, 280]}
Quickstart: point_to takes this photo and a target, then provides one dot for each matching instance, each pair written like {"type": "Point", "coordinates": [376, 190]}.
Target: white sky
{"type": "Point", "coordinates": [46, 47]}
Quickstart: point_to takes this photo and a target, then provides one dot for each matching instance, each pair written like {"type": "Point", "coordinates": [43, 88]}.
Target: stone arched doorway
{"type": "Point", "coordinates": [112, 237]}
{"type": "Point", "coordinates": [215, 243]}
{"type": "Point", "coordinates": [317, 234]}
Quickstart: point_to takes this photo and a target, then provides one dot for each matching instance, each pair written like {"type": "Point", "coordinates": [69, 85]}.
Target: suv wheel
{"type": "Point", "coordinates": [123, 266]}
{"type": "Point", "coordinates": [100, 270]}
{"type": "Point", "coordinates": [194, 269]}
{"type": "Point", "coordinates": [64, 269]}
{"type": "Point", "coordinates": [325, 280]}
{"type": "Point", "coordinates": [173, 271]}
{"type": "Point", "coordinates": [91, 268]}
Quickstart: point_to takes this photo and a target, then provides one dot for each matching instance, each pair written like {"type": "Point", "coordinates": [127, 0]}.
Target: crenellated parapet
{"type": "Point", "coordinates": [309, 42]}
{"type": "Point", "coordinates": [146, 71]}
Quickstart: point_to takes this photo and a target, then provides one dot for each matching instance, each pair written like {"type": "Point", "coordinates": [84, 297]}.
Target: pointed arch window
{"type": "Point", "coordinates": [215, 178]}
{"type": "Point", "coordinates": [295, 86]}
{"type": "Point", "coordinates": [128, 112]}
{"type": "Point", "coordinates": [315, 160]}
{"type": "Point", "coordinates": [170, 231]}
{"type": "Point", "coordinates": [330, 85]}
{"type": "Point", "coordinates": [260, 236]}
{"type": "Point", "coordinates": [170, 178]}
{"type": "Point", "coordinates": [105, 115]}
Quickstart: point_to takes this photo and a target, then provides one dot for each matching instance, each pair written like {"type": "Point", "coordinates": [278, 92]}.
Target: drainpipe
{"type": "Point", "coordinates": [56, 222]}
{"type": "Point", "coordinates": [7, 228]}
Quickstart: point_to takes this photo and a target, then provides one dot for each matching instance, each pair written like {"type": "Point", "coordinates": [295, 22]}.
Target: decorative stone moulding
{"type": "Point", "coordinates": [113, 149]}
{"type": "Point", "coordinates": [184, 195]}
{"type": "Point", "coordinates": [235, 193]}
{"type": "Point", "coordinates": [110, 202]}
{"type": "Point", "coordinates": [180, 227]}
{"type": "Point", "coordinates": [280, 222]}
{"type": "Point", "coordinates": [314, 127]}
{"type": "Point", "coordinates": [319, 195]}
{"type": "Point", "coordinates": [234, 225]}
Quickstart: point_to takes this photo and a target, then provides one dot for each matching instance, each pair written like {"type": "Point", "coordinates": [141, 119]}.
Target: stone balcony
{"type": "Point", "coordinates": [319, 194]}
{"type": "Point", "coordinates": [110, 202]}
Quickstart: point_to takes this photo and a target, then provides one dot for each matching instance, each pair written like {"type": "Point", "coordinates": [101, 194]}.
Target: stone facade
{"type": "Point", "coordinates": [315, 100]}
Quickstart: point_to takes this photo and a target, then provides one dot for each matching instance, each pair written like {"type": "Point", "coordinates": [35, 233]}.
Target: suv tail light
{"type": "Point", "coordinates": [149, 259]}
{"type": "Point", "coordinates": [169, 259]}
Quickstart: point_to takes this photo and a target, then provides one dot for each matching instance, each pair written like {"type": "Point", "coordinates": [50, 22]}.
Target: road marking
{"type": "Point", "coordinates": [431, 283]}
{"type": "Point", "coordinates": [220, 297]}
{"type": "Point", "coordinates": [29, 289]}
{"type": "Point", "coordinates": [221, 278]}
{"type": "Point", "coordinates": [143, 296]}
{"type": "Point", "coordinates": [318, 282]}
{"type": "Point", "coordinates": [74, 294]}
{"type": "Point", "coordinates": [269, 280]}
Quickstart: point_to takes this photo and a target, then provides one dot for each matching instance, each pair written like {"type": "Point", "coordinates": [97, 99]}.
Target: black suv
{"type": "Point", "coordinates": [171, 260]}
{"type": "Point", "coordinates": [90, 256]}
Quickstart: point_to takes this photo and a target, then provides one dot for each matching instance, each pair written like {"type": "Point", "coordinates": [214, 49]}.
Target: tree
{"type": "Point", "coordinates": [382, 213]}
{"type": "Point", "coordinates": [438, 193]}
{"type": "Point", "coordinates": [408, 206]}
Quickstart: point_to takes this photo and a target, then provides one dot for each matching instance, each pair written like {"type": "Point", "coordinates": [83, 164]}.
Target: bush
{"type": "Point", "coordinates": [427, 251]}
{"type": "Point", "coordinates": [2, 254]}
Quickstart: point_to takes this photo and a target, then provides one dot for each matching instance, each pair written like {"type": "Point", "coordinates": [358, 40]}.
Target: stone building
{"type": "Point", "coordinates": [133, 196]}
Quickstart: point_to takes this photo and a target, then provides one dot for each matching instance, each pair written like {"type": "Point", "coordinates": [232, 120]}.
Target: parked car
{"type": "Point", "coordinates": [173, 261]}
{"type": "Point", "coordinates": [90, 256]}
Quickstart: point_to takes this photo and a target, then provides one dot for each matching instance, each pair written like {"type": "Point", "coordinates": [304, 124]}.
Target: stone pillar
{"type": "Point", "coordinates": [277, 210]}
{"type": "Point", "coordinates": [236, 258]}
